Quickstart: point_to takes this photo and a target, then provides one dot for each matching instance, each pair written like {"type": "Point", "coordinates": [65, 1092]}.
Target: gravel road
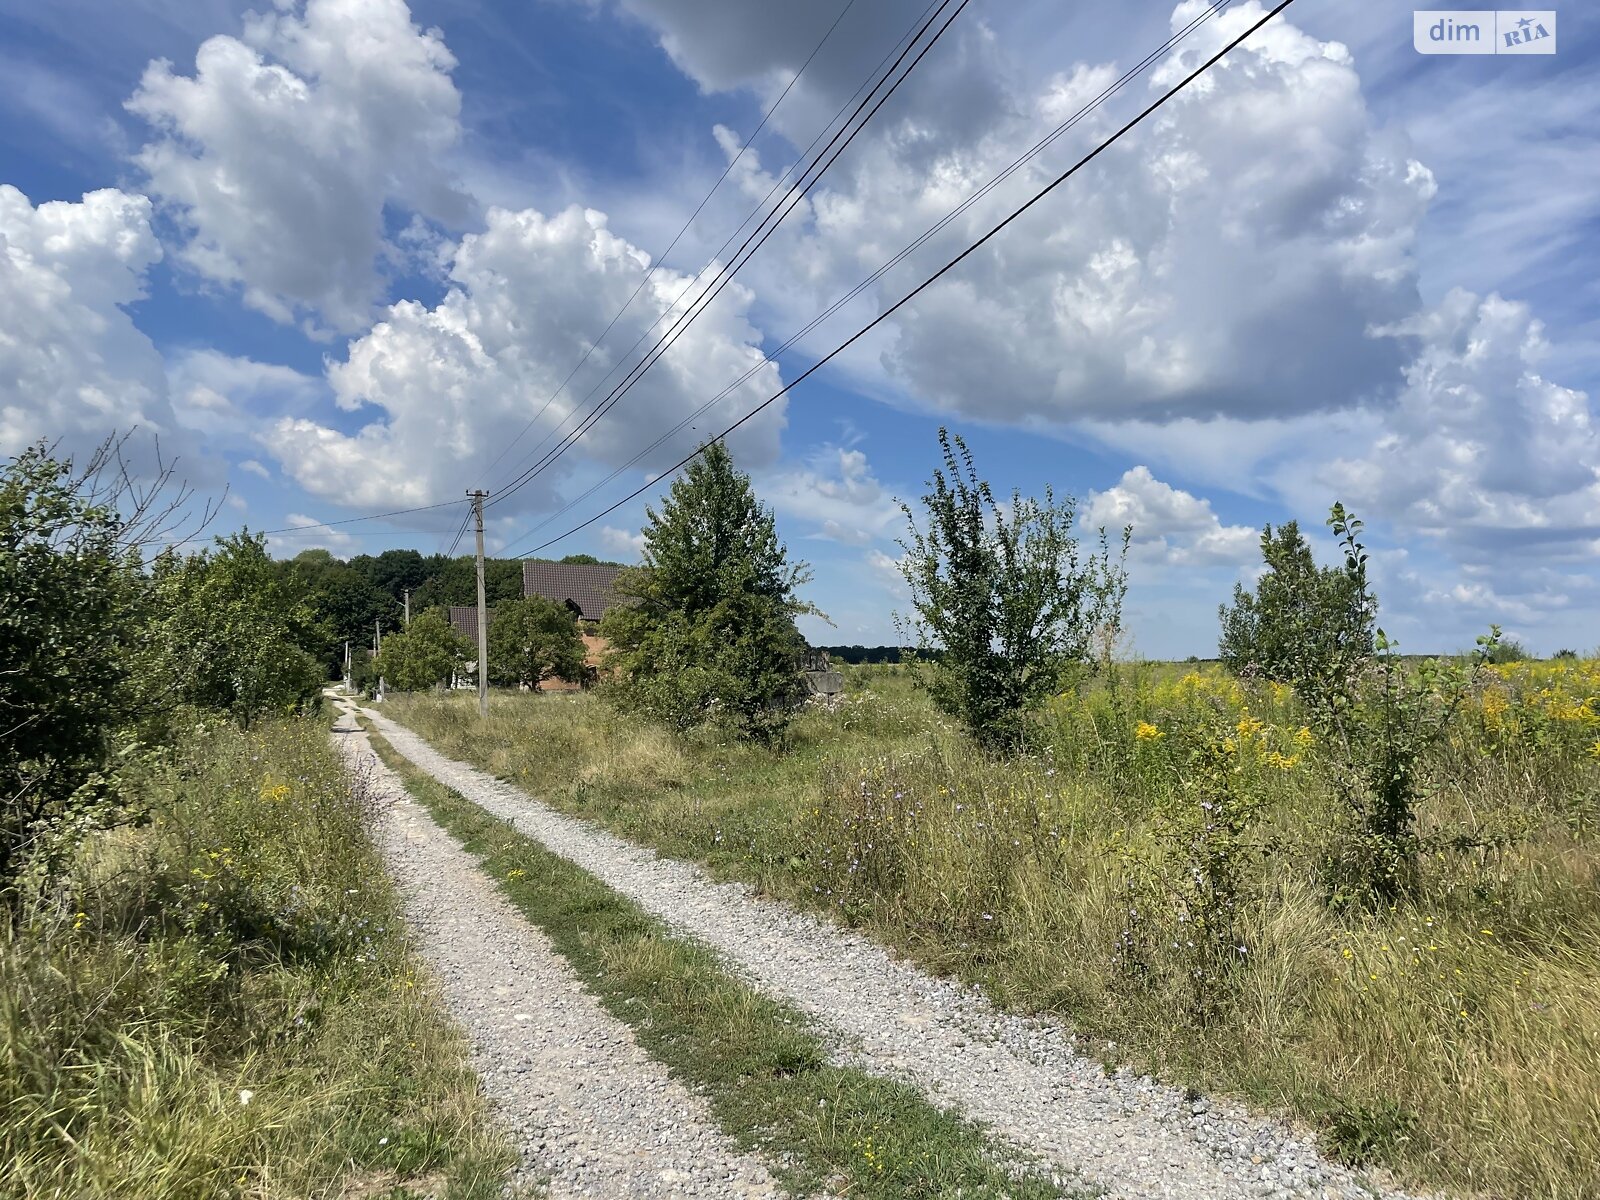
{"type": "Point", "coordinates": [1124, 1133]}
{"type": "Point", "coordinates": [588, 1109]}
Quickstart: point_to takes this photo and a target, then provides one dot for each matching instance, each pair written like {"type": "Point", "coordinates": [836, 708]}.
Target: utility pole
{"type": "Point", "coordinates": [483, 614]}
{"type": "Point", "coordinates": [408, 608]}
{"type": "Point", "coordinates": [377, 636]}
{"type": "Point", "coordinates": [347, 664]}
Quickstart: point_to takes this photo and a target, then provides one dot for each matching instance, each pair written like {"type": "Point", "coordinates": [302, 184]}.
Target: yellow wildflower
{"type": "Point", "coordinates": [1146, 732]}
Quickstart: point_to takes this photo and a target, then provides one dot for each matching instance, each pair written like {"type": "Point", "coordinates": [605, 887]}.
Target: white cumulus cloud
{"type": "Point", "coordinates": [280, 153]}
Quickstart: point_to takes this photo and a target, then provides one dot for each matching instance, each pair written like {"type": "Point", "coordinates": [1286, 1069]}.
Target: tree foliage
{"type": "Point", "coordinates": [532, 640]}
{"type": "Point", "coordinates": [710, 632]}
{"type": "Point", "coordinates": [230, 631]}
{"type": "Point", "coordinates": [1004, 599]}
{"type": "Point", "coordinates": [427, 652]}
{"type": "Point", "coordinates": [1302, 621]}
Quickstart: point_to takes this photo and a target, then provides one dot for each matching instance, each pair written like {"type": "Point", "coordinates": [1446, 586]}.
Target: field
{"type": "Point", "coordinates": [1166, 873]}
{"type": "Point", "coordinates": [217, 1000]}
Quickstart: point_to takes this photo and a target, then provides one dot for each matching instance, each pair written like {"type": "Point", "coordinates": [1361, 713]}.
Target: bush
{"type": "Point", "coordinates": [1004, 606]}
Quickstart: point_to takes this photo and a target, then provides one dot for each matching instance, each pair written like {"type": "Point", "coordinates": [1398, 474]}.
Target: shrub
{"type": "Point", "coordinates": [1003, 603]}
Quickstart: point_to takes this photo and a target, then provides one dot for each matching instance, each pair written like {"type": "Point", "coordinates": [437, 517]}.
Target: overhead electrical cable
{"type": "Point", "coordinates": [743, 255]}
{"type": "Point", "coordinates": [399, 512]}
{"type": "Point", "coordinates": [1016, 164]}
{"type": "Point", "coordinates": [949, 266]}
{"type": "Point", "coordinates": [657, 261]}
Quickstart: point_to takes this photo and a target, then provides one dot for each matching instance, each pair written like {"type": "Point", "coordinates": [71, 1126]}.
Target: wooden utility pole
{"type": "Point", "coordinates": [483, 614]}
{"type": "Point", "coordinates": [408, 608]}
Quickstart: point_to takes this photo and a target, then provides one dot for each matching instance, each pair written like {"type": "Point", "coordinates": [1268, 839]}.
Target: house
{"type": "Point", "coordinates": [464, 620]}
{"type": "Point", "coordinates": [586, 589]}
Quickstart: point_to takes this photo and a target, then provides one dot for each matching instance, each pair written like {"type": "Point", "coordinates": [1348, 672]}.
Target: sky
{"type": "Point", "coordinates": [345, 257]}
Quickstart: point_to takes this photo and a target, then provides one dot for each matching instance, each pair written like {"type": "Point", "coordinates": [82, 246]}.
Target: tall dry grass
{"type": "Point", "coordinates": [219, 1001]}
{"type": "Point", "coordinates": [1161, 876]}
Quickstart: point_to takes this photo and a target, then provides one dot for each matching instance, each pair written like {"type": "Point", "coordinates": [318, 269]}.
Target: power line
{"type": "Point", "coordinates": [745, 252]}
{"type": "Point", "coordinates": [1027, 156]}
{"type": "Point", "coordinates": [659, 259]}
{"type": "Point", "coordinates": [914, 292]}
{"type": "Point", "coordinates": [805, 157]}
{"type": "Point", "coordinates": [399, 512]}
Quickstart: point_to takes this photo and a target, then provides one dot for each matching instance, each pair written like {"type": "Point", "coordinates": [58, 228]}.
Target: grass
{"type": "Point", "coordinates": [1454, 1038]}
{"type": "Point", "coordinates": [219, 1001]}
{"type": "Point", "coordinates": [764, 1072]}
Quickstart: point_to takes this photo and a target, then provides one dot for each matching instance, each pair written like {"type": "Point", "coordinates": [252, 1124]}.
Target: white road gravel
{"type": "Point", "coordinates": [588, 1109]}
{"type": "Point", "coordinates": [1129, 1135]}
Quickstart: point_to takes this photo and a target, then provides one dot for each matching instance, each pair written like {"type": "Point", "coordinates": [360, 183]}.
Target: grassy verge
{"type": "Point", "coordinates": [1455, 1038]}
{"type": "Point", "coordinates": [765, 1074]}
{"type": "Point", "coordinates": [220, 1002]}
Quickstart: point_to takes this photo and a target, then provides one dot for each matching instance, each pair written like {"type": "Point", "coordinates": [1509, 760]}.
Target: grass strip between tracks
{"type": "Point", "coordinates": [819, 1125]}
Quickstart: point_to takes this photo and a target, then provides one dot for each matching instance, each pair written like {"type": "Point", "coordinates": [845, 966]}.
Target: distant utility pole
{"type": "Point", "coordinates": [377, 636]}
{"type": "Point", "coordinates": [408, 608]}
{"type": "Point", "coordinates": [347, 664]}
{"type": "Point", "coordinates": [483, 614]}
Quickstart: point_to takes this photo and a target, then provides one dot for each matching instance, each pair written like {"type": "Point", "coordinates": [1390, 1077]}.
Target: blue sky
{"type": "Point", "coordinates": [338, 253]}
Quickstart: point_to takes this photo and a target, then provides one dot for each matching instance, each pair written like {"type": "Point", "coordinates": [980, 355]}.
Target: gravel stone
{"type": "Point", "coordinates": [591, 1113]}
{"type": "Point", "coordinates": [1022, 1077]}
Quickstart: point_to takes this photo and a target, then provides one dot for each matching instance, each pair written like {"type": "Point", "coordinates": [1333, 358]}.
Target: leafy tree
{"type": "Point", "coordinates": [232, 631]}
{"type": "Point", "coordinates": [63, 599]}
{"type": "Point", "coordinates": [1004, 601]}
{"type": "Point", "coordinates": [72, 599]}
{"type": "Point", "coordinates": [1302, 621]}
{"type": "Point", "coordinates": [711, 630]}
{"type": "Point", "coordinates": [392, 572]}
{"type": "Point", "coordinates": [427, 652]}
{"type": "Point", "coordinates": [533, 640]}
{"type": "Point", "coordinates": [455, 581]}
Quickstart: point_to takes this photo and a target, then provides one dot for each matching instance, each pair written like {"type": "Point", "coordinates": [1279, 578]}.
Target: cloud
{"type": "Point", "coordinates": [838, 494]}
{"type": "Point", "coordinates": [257, 469]}
{"type": "Point", "coordinates": [225, 397]}
{"type": "Point", "coordinates": [1169, 525]}
{"type": "Point", "coordinates": [620, 542]}
{"type": "Point", "coordinates": [73, 367]}
{"type": "Point", "coordinates": [287, 545]}
{"type": "Point", "coordinates": [279, 155]}
{"type": "Point", "coordinates": [447, 387]}
{"type": "Point", "coordinates": [1482, 453]}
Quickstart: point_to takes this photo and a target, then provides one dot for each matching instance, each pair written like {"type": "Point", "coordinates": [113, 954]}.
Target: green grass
{"type": "Point", "coordinates": [220, 1001]}
{"type": "Point", "coordinates": [764, 1072]}
{"type": "Point", "coordinates": [1455, 1038]}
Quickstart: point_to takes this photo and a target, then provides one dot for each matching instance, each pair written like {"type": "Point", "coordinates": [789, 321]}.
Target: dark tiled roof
{"type": "Point", "coordinates": [464, 617]}
{"type": "Point", "coordinates": [587, 585]}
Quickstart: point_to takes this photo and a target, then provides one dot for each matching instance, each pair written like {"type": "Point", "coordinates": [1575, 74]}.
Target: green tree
{"type": "Point", "coordinates": [1004, 600]}
{"type": "Point", "coordinates": [533, 640]}
{"type": "Point", "coordinates": [710, 632]}
{"type": "Point", "coordinates": [427, 652]}
{"type": "Point", "coordinates": [1302, 622]}
{"type": "Point", "coordinates": [65, 594]}
{"type": "Point", "coordinates": [232, 632]}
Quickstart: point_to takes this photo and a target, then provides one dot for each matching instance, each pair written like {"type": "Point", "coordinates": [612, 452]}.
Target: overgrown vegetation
{"type": "Point", "coordinates": [708, 634]}
{"type": "Point", "coordinates": [204, 990]}
{"type": "Point", "coordinates": [765, 1073]}
{"type": "Point", "coordinates": [1455, 1036]}
{"type": "Point", "coordinates": [218, 1000]}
